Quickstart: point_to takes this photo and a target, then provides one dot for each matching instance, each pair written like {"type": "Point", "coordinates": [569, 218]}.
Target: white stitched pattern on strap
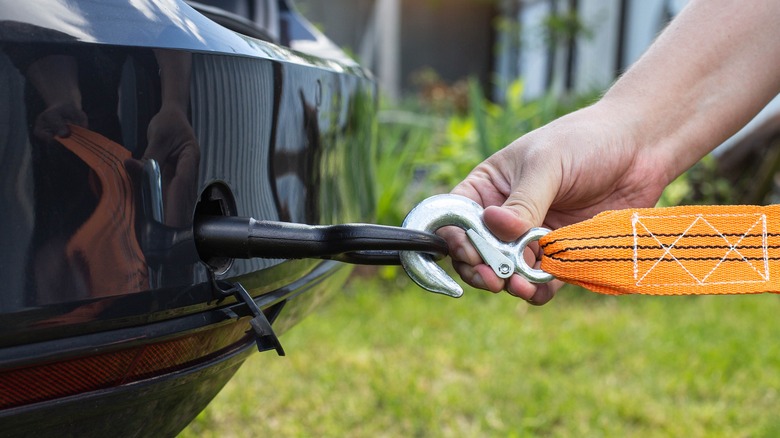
{"type": "Point", "coordinates": [663, 258]}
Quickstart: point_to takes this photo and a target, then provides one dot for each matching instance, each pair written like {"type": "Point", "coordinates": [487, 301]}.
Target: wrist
{"type": "Point", "coordinates": [668, 134]}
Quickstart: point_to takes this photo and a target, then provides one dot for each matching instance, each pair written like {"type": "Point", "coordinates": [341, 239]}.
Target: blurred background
{"type": "Point", "coordinates": [460, 79]}
{"type": "Point", "coordinates": [439, 59]}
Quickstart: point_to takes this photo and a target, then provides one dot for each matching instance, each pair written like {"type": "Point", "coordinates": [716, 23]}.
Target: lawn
{"type": "Point", "coordinates": [386, 359]}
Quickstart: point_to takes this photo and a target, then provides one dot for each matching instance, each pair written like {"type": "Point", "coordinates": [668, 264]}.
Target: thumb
{"type": "Point", "coordinates": [525, 208]}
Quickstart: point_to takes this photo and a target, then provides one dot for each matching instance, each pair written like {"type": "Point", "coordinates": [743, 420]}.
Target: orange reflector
{"type": "Point", "coordinates": [75, 376]}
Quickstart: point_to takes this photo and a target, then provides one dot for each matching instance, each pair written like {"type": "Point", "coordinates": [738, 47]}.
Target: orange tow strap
{"type": "Point", "coordinates": [105, 247]}
{"type": "Point", "coordinates": [689, 250]}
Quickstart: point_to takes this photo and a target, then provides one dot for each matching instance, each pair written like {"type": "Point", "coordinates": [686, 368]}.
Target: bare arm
{"type": "Point", "coordinates": [56, 79]}
{"type": "Point", "coordinates": [706, 76]}
{"type": "Point", "coordinates": [709, 72]}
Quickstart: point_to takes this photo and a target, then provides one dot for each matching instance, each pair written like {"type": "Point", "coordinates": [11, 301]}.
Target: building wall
{"type": "Point", "coordinates": [343, 21]}
{"type": "Point", "coordinates": [597, 59]}
{"type": "Point", "coordinates": [460, 38]}
{"type": "Point", "coordinates": [453, 37]}
{"type": "Point", "coordinates": [618, 32]}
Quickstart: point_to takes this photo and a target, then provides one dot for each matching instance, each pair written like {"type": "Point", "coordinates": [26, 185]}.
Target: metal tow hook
{"type": "Point", "coordinates": [505, 258]}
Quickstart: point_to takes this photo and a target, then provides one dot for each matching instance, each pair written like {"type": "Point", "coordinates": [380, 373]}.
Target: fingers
{"type": "Point", "coordinates": [516, 186]}
{"type": "Point", "coordinates": [482, 277]}
{"type": "Point", "coordinates": [54, 121]}
{"type": "Point", "coordinates": [467, 261]}
{"type": "Point", "coordinates": [535, 294]}
{"type": "Point", "coordinates": [183, 187]}
{"type": "Point", "coordinates": [505, 223]}
{"type": "Point", "coordinates": [472, 270]}
{"type": "Point", "coordinates": [460, 247]}
{"type": "Point", "coordinates": [479, 276]}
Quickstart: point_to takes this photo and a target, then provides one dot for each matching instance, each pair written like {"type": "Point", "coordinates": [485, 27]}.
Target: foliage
{"type": "Point", "coordinates": [700, 185]}
{"type": "Point", "coordinates": [434, 95]}
{"type": "Point", "coordinates": [562, 27]}
{"type": "Point", "coordinates": [429, 145]}
{"type": "Point", "coordinates": [487, 127]}
{"type": "Point", "coordinates": [402, 140]}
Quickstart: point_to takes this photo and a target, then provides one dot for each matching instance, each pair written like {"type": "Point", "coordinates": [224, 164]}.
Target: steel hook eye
{"type": "Point", "coordinates": [531, 274]}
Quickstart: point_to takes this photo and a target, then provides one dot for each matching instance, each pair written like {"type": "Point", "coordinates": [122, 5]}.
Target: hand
{"type": "Point", "coordinates": [56, 79]}
{"type": "Point", "coordinates": [665, 113]}
{"type": "Point", "coordinates": [565, 172]}
{"type": "Point", "coordinates": [54, 121]}
{"type": "Point", "coordinates": [173, 145]}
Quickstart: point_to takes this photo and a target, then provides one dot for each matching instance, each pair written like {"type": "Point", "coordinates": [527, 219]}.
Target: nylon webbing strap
{"type": "Point", "coordinates": [670, 251]}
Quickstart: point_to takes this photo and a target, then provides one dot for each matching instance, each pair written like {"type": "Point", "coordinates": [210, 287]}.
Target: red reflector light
{"type": "Point", "coordinates": [21, 386]}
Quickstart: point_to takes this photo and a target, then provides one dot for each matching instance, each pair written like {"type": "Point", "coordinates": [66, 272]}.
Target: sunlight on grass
{"type": "Point", "coordinates": [397, 361]}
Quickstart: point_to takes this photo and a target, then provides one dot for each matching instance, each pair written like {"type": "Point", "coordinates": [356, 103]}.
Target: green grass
{"type": "Point", "coordinates": [406, 363]}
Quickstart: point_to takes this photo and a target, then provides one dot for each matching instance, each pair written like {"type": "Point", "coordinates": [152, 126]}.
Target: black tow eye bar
{"type": "Point", "coordinates": [366, 244]}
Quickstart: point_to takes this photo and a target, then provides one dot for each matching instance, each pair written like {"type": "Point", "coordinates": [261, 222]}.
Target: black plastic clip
{"type": "Point", "coordinates": [265, 338]}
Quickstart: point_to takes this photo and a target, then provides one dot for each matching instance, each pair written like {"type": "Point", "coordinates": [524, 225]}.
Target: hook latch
{"type": "Point", "coordinates": [505, 258]}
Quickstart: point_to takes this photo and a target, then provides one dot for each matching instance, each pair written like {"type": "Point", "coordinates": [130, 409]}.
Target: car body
{"type": "Point", "coordinates": [123, 122]}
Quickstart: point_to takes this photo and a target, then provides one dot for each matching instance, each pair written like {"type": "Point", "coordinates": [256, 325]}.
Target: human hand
{"type": "Point", "coordinates": [56, 79]}
{"type": "Point", "coordinates": [173, 145]}
{"type": "Point", "coordinates": [565, 172]}
{"type": "Point", "coordinates": [54, 121]}
{"type": "Point", "coordinates": [669, 109]}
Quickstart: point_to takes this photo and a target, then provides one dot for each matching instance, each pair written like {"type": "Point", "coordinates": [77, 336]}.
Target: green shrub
{"type": "Point", "coordinates": [486, 127]}
{"type": "Point", "coordinates": [403, 138]}
{"type": "Point", "coordinates": [429, 147]}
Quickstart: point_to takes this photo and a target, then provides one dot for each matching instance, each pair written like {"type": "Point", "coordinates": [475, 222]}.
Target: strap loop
{"type": "Point", "coordinates": [670, 251]}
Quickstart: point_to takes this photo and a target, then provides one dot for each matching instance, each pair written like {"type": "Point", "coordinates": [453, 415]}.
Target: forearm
{"type": "Point", "coordinates": [56, 79]}
{"type": "Point", "coordinates": [175, 70]}
{"type": "Point", "coordinates": [708, 74]}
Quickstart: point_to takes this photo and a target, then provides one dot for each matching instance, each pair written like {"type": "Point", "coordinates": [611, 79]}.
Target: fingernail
{"type": "Point", "coordinates": [511, 291]}
{"type": "Point", "coordinates": [478, 281]}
